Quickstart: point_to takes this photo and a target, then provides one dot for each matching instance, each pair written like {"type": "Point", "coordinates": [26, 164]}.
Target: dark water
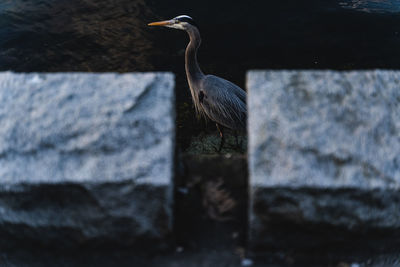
{"type": "Point", "coordinates": [111, 35]}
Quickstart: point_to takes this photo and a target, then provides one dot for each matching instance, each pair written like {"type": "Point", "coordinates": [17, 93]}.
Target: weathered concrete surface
{"type": "Point", "coordinates": [86, 158]}
{"type": "Point", "coordinates": [324, 150]}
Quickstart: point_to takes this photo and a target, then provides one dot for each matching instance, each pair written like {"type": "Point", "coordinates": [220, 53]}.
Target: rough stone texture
{"type": "Point", "coordinates": [324, 150]}
{"type": "Point", "coordinates": [86, 158]}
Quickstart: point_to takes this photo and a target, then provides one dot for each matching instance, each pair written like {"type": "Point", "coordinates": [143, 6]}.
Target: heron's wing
{"type": "Point", "coordinates": [224, 102]}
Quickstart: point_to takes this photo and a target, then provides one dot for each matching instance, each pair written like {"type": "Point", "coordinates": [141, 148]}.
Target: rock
{"type": "Point", "coordinates": [324, 153]}
{"type": "Point", "coordinates": [86, 158]}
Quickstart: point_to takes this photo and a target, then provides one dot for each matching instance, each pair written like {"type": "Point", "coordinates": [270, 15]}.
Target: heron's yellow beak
{"type": "Point", "coordinates": [161, 23]}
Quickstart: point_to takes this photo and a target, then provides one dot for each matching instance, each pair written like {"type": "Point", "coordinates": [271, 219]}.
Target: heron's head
{"type": "Point", "coordinates": [182, 22]}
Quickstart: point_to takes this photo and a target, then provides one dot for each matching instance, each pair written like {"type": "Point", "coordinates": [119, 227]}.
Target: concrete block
{"type": "Point", "coordinates": [86, 158]}
{"type": "Point", "coordinates": [324, 158]}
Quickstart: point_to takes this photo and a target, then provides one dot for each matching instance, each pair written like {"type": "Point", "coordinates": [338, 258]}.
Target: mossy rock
{"type": "Point", "coordinates": [209, 144]}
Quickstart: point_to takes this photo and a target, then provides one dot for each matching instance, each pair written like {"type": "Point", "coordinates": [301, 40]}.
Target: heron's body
{"type": "Point", "coordinates": [215, 98]}
{"type": "Point", "coordinates": [230, 110]}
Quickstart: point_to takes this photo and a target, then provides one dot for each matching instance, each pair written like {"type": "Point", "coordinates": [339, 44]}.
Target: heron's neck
{"type": "Point", "coordinates": [193, 71]}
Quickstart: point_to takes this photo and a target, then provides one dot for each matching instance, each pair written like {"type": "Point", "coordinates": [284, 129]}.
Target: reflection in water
{"type": "Point", "coordinates": [373, 6]}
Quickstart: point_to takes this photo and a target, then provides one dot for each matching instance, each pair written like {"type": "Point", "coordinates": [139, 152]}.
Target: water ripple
{"type": "Point", "coordinates": [372, 6]}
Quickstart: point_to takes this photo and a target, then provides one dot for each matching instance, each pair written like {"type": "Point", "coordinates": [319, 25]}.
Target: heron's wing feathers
{"type": "Point", "coordinates": [224, 102]}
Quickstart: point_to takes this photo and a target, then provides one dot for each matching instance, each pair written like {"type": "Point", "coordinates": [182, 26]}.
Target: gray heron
{"type": "Point", "coordinates": [215, 98]}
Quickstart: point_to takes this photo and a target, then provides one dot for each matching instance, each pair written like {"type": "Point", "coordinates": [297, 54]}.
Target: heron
{"type": "Point", "coordinates": [214, 98]}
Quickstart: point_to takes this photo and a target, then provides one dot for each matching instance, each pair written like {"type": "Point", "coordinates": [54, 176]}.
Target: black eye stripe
{"type": "Point", "coordinates": [188, 20]}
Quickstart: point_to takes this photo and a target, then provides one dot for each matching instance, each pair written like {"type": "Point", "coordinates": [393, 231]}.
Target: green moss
{"type": "Point", "coordinates": [209, 144]}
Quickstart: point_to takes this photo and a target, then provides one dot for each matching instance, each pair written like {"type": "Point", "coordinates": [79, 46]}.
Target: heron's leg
{"type": "Point", "coordinates": [221, 134]}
